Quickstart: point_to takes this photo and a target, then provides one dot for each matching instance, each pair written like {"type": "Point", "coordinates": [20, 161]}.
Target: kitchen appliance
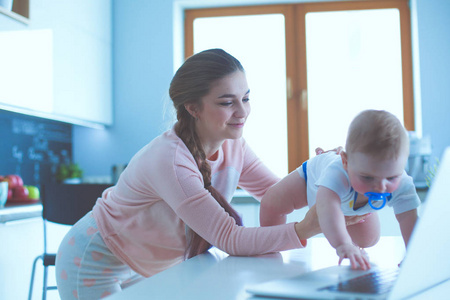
{"type": "Point", "coordinates": [419, 158]}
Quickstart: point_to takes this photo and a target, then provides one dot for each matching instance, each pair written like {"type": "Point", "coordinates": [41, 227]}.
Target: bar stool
{"type": "Point", "coordinates": [63, 204]}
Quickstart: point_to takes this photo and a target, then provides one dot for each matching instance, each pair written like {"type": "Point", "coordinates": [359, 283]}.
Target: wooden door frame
{"type": "Point", "coordinates": [296, 82]}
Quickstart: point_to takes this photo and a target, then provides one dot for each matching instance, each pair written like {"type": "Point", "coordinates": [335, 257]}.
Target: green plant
{"type": "Point", "coordinates": [432, 173]}
{"type": "Point", "coordinates": [66, 171]}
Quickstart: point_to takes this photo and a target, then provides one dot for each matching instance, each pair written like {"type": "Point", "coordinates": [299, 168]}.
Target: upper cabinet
{"type": "Point", "coordinates": [58, 64]}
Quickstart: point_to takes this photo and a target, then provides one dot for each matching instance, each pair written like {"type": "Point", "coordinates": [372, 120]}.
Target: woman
{"type": "Point", "coordinates": [172, 200]}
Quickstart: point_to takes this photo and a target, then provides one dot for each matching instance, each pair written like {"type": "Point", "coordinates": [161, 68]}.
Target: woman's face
{"type": "Point", "coordinates": [224, 110]}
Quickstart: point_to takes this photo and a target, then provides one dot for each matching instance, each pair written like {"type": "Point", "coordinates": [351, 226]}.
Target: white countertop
{"type": "Point", "coordinates": [216, 275]}
{"type": "Point", "coordinates": [15, 212]}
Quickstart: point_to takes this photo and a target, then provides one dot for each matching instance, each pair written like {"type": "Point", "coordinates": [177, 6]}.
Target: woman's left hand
{"type": "Point", "coordinates": [310, 226]}
{"type": "Point", "coordinates": [338, 150]}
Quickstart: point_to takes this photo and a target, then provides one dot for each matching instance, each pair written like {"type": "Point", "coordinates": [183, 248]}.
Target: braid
{"type": "Point", "coordinates": [190, 84]}
{"type": "Point", "coordinates": [185, 129]}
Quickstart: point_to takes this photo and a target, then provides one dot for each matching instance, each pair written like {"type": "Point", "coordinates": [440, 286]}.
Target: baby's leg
{"type": "Point", "coordinates": [366, 234]}
{"type": "Point", "coordinates": [282, 199]}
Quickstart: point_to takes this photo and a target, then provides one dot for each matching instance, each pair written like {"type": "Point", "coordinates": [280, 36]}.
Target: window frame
{"type": "Point", "coordinates": [296, 80]}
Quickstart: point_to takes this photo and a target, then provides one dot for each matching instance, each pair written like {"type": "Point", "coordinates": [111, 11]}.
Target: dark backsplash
{"type": "Point", "coordinates": [33, 147]}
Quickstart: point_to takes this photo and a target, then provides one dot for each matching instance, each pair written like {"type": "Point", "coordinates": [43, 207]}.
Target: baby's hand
{"type": "Point", "coordinates": [357, 256]}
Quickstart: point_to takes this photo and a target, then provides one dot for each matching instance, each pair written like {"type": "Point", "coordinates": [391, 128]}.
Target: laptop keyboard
{"type": "Point", "coordinates": [376, 282]}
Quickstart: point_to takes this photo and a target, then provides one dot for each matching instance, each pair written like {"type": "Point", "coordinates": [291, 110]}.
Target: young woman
{"type": "Point", "coordinates": [172, 200]}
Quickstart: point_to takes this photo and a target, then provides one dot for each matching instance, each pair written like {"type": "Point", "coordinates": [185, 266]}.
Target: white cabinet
{"type": "Point", "coordinates": [22, 242]}
{"type": "Point", "coordinates": [67, 75]}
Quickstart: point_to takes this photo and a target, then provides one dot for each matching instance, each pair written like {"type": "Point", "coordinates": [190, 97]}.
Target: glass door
{"type": "Point", "coordinates": [353, 63]}
{"type": "Point", "coordinates": [258, 42]}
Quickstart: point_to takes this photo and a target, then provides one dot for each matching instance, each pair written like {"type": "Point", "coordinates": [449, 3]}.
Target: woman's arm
{"type": "Point", "coordinates": [282, 199]}
{"type": "Point", "coordinates": [407, 220]}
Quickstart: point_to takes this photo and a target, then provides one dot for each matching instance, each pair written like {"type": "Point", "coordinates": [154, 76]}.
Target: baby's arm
{"type": "Point", "coordinates": [282, 199]}
{"type": "Point", "coordinates": [332, 223]}
{"type": "Point", "coordinates": [407, 220]}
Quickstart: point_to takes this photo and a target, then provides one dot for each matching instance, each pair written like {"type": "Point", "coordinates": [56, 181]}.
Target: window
{"type": "Point", "coordinates": [258, 42]}
{"type": "Point", "coordinates": [340, 58]}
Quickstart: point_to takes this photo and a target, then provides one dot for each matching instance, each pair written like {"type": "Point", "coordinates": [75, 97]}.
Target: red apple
{"type": "Point", "coordinates": [20, 193]}
{"type": "Point", "coordinates": [14, 181]}
{"type": "Point", "coordinates": [10, 195]}
{"type": "Point", "coordinates": [11, 181]}
{"type": "Point", "coordinates": [19, 180]}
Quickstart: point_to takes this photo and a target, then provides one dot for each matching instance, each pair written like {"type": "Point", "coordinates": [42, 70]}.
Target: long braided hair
{"type": "Point", "coordinates": [190, 84]}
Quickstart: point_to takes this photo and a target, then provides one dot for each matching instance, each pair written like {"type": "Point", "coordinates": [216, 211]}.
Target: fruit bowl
{"type": "Point", "coordinates": [18, 192]}
{"type": "Point", "coordinates": [22, 201]}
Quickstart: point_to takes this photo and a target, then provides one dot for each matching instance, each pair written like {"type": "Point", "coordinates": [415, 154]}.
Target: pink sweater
{"type": "Point", "coordinates": [142, 219]}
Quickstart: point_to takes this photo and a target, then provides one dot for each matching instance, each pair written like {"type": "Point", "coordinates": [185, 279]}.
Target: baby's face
{"type": "Point", "coordinates": [370, 174]}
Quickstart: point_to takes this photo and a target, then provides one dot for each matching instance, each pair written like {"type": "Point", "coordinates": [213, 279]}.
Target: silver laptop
{"type": "Point", "coordinates": [426, 263]}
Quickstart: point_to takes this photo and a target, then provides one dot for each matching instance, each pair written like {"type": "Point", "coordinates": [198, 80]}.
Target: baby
{"type": "Point", "coordinates": [361, 180]}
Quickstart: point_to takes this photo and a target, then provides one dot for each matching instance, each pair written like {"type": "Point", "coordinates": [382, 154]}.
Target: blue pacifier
{"type": "Point", "coordinates": [376, 197]}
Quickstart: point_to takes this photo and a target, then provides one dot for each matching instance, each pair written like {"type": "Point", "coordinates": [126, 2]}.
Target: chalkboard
{"type": "Point", "coordinates": [33, 147]}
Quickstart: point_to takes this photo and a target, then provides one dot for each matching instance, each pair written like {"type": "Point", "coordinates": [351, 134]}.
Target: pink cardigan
{"type": "Point", "coordinates": [142, 219]}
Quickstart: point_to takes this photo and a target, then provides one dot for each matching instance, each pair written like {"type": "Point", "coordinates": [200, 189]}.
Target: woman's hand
{"type": "Point", "coordinates": [352, 220]}
{"type": "Point", "coordinates": [338, 150]}
{"type": "Point", "coordinates": [310, 227]}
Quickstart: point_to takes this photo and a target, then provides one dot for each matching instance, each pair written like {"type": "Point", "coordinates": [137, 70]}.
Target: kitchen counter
{"type": "Point", "coordinates": [216, 275]}
{"type": "Point", "coordinates": [15, 212]}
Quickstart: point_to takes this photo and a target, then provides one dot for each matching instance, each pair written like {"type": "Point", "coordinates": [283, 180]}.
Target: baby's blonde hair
{"type": "Point", "coordinates": [378, 133]}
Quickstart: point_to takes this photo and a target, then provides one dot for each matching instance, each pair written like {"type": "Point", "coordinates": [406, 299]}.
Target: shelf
{"type": "Point", "coordinates": [20, 11]}
{"type": "Point", "coordinates": [16, 212]}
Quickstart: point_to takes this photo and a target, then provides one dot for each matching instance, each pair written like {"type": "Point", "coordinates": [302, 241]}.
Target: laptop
{"type": "Point", "coordinates": [426, 263]}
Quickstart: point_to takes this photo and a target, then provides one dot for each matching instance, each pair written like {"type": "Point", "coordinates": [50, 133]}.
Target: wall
{"type": "Point", "coordinates": [433, 29]}
{"type": "Point", "coordinates": [32, 147]}
{"type": "Point", "coordinates": [143, 68]}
